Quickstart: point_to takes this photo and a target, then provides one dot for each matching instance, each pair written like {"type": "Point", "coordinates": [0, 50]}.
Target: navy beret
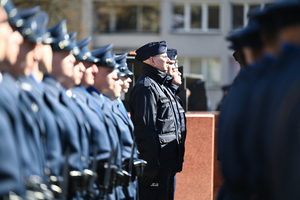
{"type": "Point", "coordinates": [85, 54]}
{"type": "Point", "coordinates": [172, 54]}
{"type": "Point", "coordinates": [106, 59]}
{"type": "Point", "coordinates": [151, 49]}
{"type": "Point", "coordinates": [122, 68]}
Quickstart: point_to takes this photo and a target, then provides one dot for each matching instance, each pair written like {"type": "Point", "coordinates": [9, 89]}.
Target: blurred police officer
{"type": "Point", "coordinates": [11, 170]}
{"type": "Point", "coordinates": [155, 122]}
{"type": "Point", "coordinates": [104, 90]}
{"type": "Point", "coordinates": [50, 136]}
{"type": "Point", "coordinates": [129, 152]}
{"type": "Point", "coordinates": [100, 144]}
{"type": "Point", "coordinates": [73, 127]}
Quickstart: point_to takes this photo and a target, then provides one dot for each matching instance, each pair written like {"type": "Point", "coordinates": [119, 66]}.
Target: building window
{"type": "Point", "coordinates": [207, 69]}
{"type": "Point", "coordinates": [192, 17]}
{"type": "Point", "coordinates": [122, 17]}
{"type": "Point", "coordinates": [239, 13]}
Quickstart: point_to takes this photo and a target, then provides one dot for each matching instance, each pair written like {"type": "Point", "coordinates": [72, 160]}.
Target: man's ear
{"type": "Point", "coordinates": [152, 60]}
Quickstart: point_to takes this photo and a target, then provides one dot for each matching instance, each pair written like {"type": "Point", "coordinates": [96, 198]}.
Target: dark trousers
{"type": "Point", "coordinates": [163, 188]}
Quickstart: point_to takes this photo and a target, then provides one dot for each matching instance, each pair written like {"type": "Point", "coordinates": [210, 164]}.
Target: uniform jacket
{"type": "Point", "coordinates": [10, 157]}
{"type": "Point", "coordinates": [99, 138]}
{"type": "Point", "coordinates": [180, 115]}
{"type": "Point", "coordinates": [26, 127]}
{"type": "Point", "coordinates": [51, 138]}
{"type": "Point", "coordinates": [56, 100]}
{"type": "Point", "coordinates": [154, 121]}
{"type": "Point", "coordinates": [105, 105]}
{"type": "Point", "coordinates": [126, 127]}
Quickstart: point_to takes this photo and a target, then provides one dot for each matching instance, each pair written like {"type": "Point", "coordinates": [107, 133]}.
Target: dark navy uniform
{"type": "Point", "coordinates": [155, 127]}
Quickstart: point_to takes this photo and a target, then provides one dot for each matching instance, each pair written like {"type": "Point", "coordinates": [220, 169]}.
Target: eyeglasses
{"type": "Point", "coordinates": [162, 56]}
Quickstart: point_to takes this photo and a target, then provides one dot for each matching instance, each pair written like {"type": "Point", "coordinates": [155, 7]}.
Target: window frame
{"type": "Point", "coordinates": [204, 68]}
{"type": "Point", "coordinates": [204, 18]}
{"type": "Point", "coordinates": [139, 17]}
{"type": "Point", "coordinates": [246, 7]}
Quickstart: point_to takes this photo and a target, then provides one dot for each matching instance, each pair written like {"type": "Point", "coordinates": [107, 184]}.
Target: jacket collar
{"type": "Point", "coordinates": [174, 88]}
{"type": "Point", "coordinates": [155, 74]}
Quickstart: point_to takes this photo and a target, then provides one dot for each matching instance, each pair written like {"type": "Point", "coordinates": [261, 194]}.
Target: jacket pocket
{"type": "Point", "coordinates": [165, 125]}
{"type": "Point", "coordinates": [169, 149]}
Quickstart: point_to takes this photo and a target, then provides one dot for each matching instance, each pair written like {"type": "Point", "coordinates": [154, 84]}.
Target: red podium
{"type": "Point", "coordinates": [200, 178]}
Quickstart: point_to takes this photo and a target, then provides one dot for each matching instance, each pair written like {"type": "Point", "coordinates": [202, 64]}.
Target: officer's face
{"type": "Point", "coordinates": [105, 81]}
{"type": "Point", "coordinates": [171, 68]}
{"type": "Point", "coordinates": [79, 68]}
{"type": "Point", "coordinates": [89, 74]}
{"type": "Point", "coordinates": [160, 62]}
{"type": "Point", "coordinates": [63, 66]}
{"type": "Point", "coordinates": [45, 64]}
{"type": "Point", "coordinates": [126, 83]}
{"type": "Point", "coordinates": [118, 88]}
{"type": "Point", "coordinates": [12, 49]}
{"type": "Point", "coordinates": [177, 77]}
{"type": "Point", "coordinates": [28, 55]}
{"type": "Point", "coordinates": [5, 31]}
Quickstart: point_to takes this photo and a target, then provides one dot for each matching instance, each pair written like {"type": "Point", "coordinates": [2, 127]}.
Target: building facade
{"type": "Point", "coordinates": [196, 28]}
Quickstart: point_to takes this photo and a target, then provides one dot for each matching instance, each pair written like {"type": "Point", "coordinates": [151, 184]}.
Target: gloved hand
{"type": "Point", "coordinates": [139, 166]}
{"type": "Point", "coordinates": [148, 178]}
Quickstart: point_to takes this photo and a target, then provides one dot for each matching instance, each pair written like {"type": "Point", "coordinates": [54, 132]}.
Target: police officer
{"type": "Point", "coordinates": [103, 91]}
{"type": "Point", "coordinates": [9, 151]}
{"type": "Point", "coordinates": [179, 111]}
{"type": "Point", "coordinates": [100, 145]}
{"type": "Point", "coordinates": [50, 136]}
{"type": "Point", "coordinates": [73, 127]}
{"type": "Point", "coordinates": [129, 153]}
{"type": "Point", "coordinates": [155, 122]}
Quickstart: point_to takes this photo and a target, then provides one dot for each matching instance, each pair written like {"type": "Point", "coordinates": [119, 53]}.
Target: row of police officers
{"type": "Point", "coordinates": [258, 143]}
{"type": "Point", "coordinates": [65, 133]}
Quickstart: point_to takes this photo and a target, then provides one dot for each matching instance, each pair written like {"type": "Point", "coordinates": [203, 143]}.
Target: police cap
{"type": "Point", "coordinates": [172, 54]}
{"type": "Point", "coordinates": [85, 54]}
{"type": "Point", "coordinates": [62, 41]}
{"type": "Point", "coordinates": [106, 59]}
{"type": "Point", "coordinates": [286, 11]}
{"type": "Point", "coordinates": [123, 68]}
{"type": "Point", "coordinates": [151, 49]}
{"type": "Point", "coordinates": [13, 17]}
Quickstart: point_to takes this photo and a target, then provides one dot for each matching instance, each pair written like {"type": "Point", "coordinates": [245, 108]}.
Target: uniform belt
{"type": "Point", "coordinates": [79, 181]}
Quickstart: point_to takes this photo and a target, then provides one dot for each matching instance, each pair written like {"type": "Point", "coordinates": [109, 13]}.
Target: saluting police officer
{"type": "Point", "coordinates": [155, 122]}
{"type": "Point", "coordinates": [179, 111]}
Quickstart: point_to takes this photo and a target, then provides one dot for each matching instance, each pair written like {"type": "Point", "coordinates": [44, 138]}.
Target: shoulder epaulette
{"type": "Point", "coordinates": [26, 87]}
{"type": "Point", "coordinates": [146, 82]}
